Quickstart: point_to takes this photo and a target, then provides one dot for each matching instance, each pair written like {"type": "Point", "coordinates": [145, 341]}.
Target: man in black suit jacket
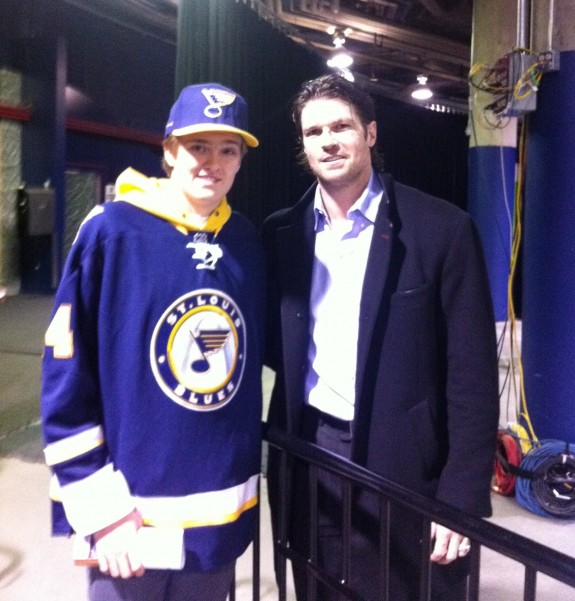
{"type": "Point", "coordinates": [383, 341]}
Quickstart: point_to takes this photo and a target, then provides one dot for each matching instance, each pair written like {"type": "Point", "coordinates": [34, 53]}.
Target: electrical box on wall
{"type": "Point", "coordinates": [513, 81]}
{"type": "Point", "coordinates": [519, 74]}
{"type": "Point", "coordinates": [549, 60]}
{"type": "Point", "coordinates": [41, 211]}
{"type": "Point", "coordinates": [36, 210]}
{"type": "Point", "coordinates": [523, 84]}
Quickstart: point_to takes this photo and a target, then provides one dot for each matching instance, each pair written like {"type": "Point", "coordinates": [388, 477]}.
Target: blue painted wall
{"type": "Point", "coordinates": [117, 77]}
{"type": "Point", "coordinates": [549, 258]}
{"type": "Point", "coordinates": [112, 75]}
{"type": "Point", "coordinates": [491, 199]}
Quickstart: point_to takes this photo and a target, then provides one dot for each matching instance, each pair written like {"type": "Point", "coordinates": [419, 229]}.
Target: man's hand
{"type": "Point", "coordinates": [448, 545]}
{"type": "Point", "coordinates": [117, 547]}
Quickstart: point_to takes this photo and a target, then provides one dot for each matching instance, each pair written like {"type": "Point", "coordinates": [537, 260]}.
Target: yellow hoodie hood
{"type": "Point", "coordinates": [152, 195]}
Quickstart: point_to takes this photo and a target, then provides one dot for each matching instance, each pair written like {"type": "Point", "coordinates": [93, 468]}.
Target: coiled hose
{"type": "Point", "coordinates": [545, 482]}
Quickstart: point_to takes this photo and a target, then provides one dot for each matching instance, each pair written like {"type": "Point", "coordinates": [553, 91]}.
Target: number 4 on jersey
{"type": "Point", "coordinates": [59, 335]}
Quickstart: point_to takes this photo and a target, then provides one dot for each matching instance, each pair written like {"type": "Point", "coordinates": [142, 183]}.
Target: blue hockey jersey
{"type": "Point", "coordinates": [151, 385]}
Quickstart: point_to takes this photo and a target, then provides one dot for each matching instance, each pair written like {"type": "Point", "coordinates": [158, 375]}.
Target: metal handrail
{"type": "Point", "coordinates": [535, 557]}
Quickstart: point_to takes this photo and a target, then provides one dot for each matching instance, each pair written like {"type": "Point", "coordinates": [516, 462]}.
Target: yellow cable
{"type": "Point", "coordinates": [524, 80]}
{"type": "Point", "coordinates": [522, 409]}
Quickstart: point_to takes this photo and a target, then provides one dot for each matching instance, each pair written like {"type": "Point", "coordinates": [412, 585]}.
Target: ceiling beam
{"type": "Point", "coordinates": [377, 33]}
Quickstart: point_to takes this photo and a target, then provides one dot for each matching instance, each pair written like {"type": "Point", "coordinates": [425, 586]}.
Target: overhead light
{"type": "Point", "coordinates": [338, 38]}
{"type": "Point", "coordinates": [340, 60]}
{"type": "Point", "coordinates": [332, 29]}
{"type": "Point", "coordinates": [422, 91]}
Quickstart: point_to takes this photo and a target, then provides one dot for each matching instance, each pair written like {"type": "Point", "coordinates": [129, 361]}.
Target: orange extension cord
{"type": "Point", "coordinates": [508, 454]}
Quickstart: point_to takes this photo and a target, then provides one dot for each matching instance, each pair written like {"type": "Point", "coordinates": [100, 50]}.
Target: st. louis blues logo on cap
{"type": "Point", "coordinates": [225, 111]}
{"type": "Point", "coordinates": [217, 98]}
{"type": "Point", "coordinates": [198, 350]}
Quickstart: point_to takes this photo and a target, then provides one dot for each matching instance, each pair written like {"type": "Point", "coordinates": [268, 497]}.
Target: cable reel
{"type": "Point", "coordinates": [546, 482]}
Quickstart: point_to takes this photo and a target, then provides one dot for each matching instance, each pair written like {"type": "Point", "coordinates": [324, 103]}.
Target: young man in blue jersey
{"type": "Point", "coordinates": [151, 391]}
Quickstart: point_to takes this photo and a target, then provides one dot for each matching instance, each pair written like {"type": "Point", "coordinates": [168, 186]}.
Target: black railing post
{"type": "Point", "coordinates": [473, 580]}
{"type": "Point", "coordinates": [530, 584]}
{"type": "Point", "coordinates": [313, 534]}
{"type": "Point", "coordinates": [425, 563]}
{"type": "Point", "coordinates": [346, 532]}
{"type": "Point", "coordinates": [256, 551]}
{"type": "Point", "coordinates": [280, 559]}
{"type": "Point", "coordinates": [232, 593]}
{"type": "Point", "coordinates": [384, 538]}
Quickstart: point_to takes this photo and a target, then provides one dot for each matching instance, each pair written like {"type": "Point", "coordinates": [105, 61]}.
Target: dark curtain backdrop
{"type": "Point", "coordinates": [424, 149]}
{"type": "Point", "coordinates": [227, 42]}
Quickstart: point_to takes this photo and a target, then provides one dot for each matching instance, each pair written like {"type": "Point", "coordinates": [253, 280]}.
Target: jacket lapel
{"type": "Point", "coordinates": [296, 247]}
{"type": "Point", "coordinates": [373, 307]}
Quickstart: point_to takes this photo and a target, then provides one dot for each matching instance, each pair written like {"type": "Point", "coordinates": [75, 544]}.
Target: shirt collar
{"type": "Point", "coordinates": [366, 205]}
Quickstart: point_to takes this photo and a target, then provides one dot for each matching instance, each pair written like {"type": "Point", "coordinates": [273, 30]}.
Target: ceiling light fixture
{"type": "Point", "coordinates": [332, 30]}
{"type": "Point", "coordinates": [338, 38]}
{"type": "Point", "coordinates": [341, 59]}
{"type": "Point", "coordinates": [423, 91]}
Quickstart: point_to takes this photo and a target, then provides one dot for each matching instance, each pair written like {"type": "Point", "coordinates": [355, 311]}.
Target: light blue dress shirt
{"type": "Point", "coordinates": [341, 252]}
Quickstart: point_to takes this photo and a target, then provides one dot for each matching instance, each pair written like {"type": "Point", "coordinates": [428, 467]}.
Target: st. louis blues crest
{"type": "Point", "coordinates": [198, 350]}
{"type": "Point", "coordinates": [217, 99]}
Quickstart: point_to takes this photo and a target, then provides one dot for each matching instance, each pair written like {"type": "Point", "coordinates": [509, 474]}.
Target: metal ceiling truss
{"type": "Point", "coordinates": [391, 41]}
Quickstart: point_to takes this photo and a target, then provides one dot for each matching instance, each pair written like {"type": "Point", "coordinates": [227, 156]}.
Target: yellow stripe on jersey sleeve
{"type": "Point", "coordinates": [201, 509]}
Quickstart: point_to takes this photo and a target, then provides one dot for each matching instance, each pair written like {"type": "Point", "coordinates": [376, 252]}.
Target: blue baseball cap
{"type": "Point", "coordinates": [209, 107]}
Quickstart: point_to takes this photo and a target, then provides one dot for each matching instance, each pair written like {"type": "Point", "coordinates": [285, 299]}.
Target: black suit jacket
{"type": "Point", "coordinates": [427, 382]}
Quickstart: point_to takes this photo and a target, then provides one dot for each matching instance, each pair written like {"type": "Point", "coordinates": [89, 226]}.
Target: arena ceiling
{"type": "Point", "coordinates": [392, 42]}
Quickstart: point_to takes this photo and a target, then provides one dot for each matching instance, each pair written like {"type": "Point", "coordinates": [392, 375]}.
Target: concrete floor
{"type": "Point", "coordinates": [34, 566]}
